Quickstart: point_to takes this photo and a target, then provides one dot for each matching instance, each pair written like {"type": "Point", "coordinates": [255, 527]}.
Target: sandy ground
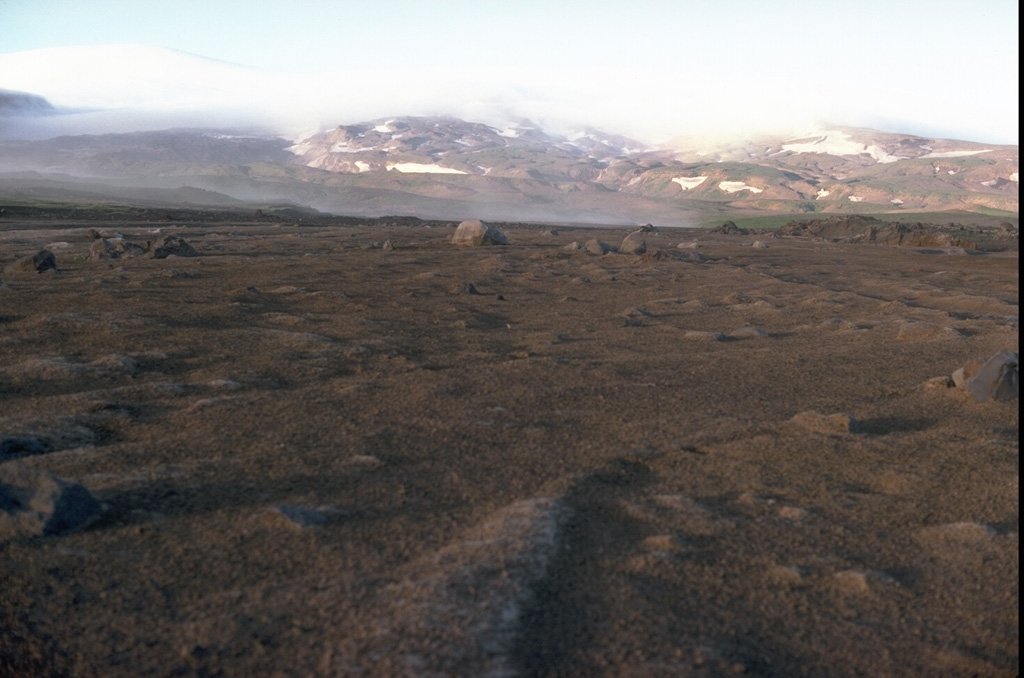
{"type": "Point", "coordinates": [319, 459]}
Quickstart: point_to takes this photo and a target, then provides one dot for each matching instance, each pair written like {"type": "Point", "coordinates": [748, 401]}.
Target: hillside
{"type": "Point", "coordinates": [449, 168]}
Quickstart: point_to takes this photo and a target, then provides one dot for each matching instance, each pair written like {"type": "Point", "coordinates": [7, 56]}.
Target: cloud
{"type": "Point", "coordinates": [133, 87]}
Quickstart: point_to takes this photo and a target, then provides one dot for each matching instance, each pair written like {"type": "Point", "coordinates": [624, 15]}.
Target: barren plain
{"type": "Point", "coordinates": [359, 450]}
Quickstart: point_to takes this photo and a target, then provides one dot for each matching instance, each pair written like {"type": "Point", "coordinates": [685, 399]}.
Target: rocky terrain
{"type": "Point", "coordinates": [448, 168]}
{"type": "Point", "coordinates": [353, 447]}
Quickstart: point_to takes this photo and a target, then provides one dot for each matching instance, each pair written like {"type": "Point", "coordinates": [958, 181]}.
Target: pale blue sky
{"type": "Point", "coordinates": [933, 67]}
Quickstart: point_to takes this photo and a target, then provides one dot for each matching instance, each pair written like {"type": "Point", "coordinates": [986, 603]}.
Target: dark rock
{"type": "Point", "coordinates": [34, 503]}
{"type": "Point", "coordinates": [176, 246]}
{"type": "Point", "coordinates": [13, 447]}
{"type": "Point", "coordinates": [730, 228]}
{"type": "Point", "coordinates": [43, 260]}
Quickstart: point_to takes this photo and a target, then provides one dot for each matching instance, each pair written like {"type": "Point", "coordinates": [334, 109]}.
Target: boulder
{"type": "Point", "coordinates": [997, 379]}
{"type": "Point", "coordinates": [41, 261]}
{"type": "Point", "coordinates": [35, 503]}
{"type": "Point", "coordinates": [598, 247]}
{"type": "Point", "coordinates": [116, 248]}
{"type": "Point", "coordinates": [475, 233]}
{"type": "Point", "coordinates": [101, 249]}
{"type": "Point", "coordinates": [634, 243]}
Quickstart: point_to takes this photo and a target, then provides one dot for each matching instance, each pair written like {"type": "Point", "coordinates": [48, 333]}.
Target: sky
{"type": "Point", "coordinates": [652, 70]}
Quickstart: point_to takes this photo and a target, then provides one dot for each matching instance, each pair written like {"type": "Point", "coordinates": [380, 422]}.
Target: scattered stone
{"type": "Point", "coordinates": [760, 245]}
{"type": "Point", "coordinates": [465, 288]}
{"type": "Point", "coordinates": [826, 423]}
{"type": "Point", "coordinates": [656, 254]}
{"type": "Point", "coordinates": [852, 581]}
{"type": "Point", "coordinates": [574, 247]}
{"type": "Point", "coordinates": [730, 228]}
{"type": "Point", "coordinates": [365, 461]}
{"type": "Point", "coordinates": [792, 512]}
{"type": "Point", "coordinates": [997, 379]}
{"type": "Point", "coordinates": [475, 233]}
{"type": "Point", "coordinates": [388, 246]}
{"type": "Point", "coordinates": [34, 503]}
{"type": "Point", "coordinates": [699, 334]}
{"type": "Point", "coordinates": [688, 245]}
{"type": "Point", "coordinates": [939, 383]}
{"type": "Point", "coordinates": [598, 247]}
{"type": "Point", "coordinates": [226, 384]}
{"type": "Point", "coordinates": [126, 249]}
{"type": "Point", "coordinates": [295, 517]}
{"type": "Point", "coordinates": [786, 575]}
{"type": "Point", "coordinates": [836, 324]}
{"type": "Point", "coordinates": [634, 243]}
{"type": "Point", "coordinates": [636, 312]}
{"type": "Point", "coordinates": [174, 245]}
{"type": "Point", "coordinates": [745, 332]}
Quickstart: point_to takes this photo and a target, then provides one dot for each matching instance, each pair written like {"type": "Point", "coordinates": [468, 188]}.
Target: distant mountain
{"type": "Point", "coordinates": [23, 104]}
{"type": "Point", "coordinates": [824, 170]}
{"type": "Point", "coordinates": [449, 168]}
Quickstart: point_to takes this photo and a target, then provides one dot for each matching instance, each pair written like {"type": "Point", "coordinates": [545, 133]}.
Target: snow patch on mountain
{"type": "Point", "coordinates": [419, 168]}
{"type": "Point", "coordinates": [689, 182]}
{"type": "Point", "coordinates": [834, 142]}
{"type": "Point", "coordinates": [736, 186]}
{"type": "Point", "coordinates": [955, 154]}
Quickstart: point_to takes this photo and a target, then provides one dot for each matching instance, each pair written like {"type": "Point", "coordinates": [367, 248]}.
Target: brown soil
{"type": "Point", "coordinates": [319, 459]}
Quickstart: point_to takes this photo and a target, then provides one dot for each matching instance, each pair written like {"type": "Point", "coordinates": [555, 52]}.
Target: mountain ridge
{"type": "Point", "coordinates": [446, 167]}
